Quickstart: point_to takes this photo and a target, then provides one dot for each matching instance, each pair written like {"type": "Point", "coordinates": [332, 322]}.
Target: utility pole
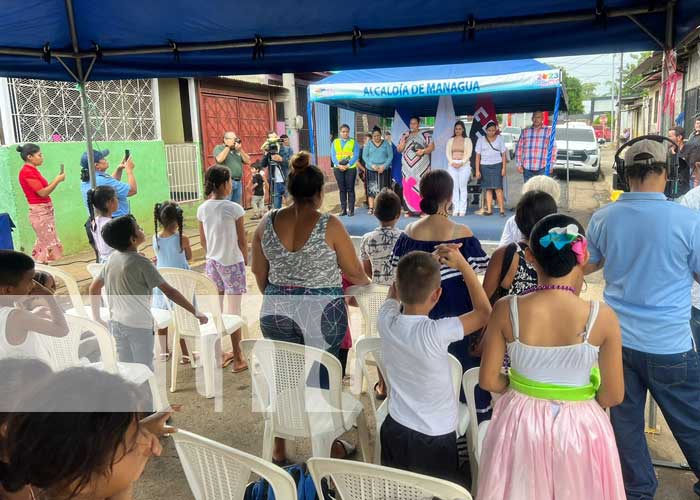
{"type": "Point", "coordinates": [290, 110]}
{"type": "Point", "coordinates": [612, 101]}
{"type": "Point", "coordinates": [618, 122]}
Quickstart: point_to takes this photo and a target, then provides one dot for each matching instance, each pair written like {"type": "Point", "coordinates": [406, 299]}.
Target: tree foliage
{"type": "Point", "coordinates": [575, 92]}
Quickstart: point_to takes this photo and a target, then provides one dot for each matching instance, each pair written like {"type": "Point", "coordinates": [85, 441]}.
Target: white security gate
{"type": "Point", "coordinates": [184, 173]}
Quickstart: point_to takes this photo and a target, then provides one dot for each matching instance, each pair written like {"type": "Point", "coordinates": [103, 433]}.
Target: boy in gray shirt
{"type": "Point", "coordinates": [129, 279]}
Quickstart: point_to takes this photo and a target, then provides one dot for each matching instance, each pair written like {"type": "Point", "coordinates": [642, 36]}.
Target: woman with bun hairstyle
{"type": "Point", "coordinates": [37, 190]}
{"type": "Point", "coordinates": [436, 189]}
{"type": "Point", "coordinates": [299, 254]}
{"type": "Point", "coordinates": [550, 436]}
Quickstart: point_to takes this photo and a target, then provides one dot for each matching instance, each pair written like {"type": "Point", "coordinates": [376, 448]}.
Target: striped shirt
{"type": "Point", "coordinates": [531, 152]}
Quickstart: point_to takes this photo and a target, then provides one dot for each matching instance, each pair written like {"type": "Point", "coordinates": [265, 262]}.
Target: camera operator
{"type": "Point", "coordinates": [649, 250]}
{"type": "Point", "coordinates": [276, 161]}
{"type": "Point", "coordinates": [682, 149]}
{"type": "Point", "coordinates": [230, 154]}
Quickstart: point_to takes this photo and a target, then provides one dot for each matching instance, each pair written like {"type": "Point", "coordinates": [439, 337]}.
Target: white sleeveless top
{"type": "Point", "coordinates": [32, 347]}
{"type": "Point", "coordinates": [568, 365]}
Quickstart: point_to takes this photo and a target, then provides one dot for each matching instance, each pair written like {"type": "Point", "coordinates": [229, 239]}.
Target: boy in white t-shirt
{"type": "Point", "coordinates": [22, 329]}
{"type": "Point", "coordinates": [223, 238]}
{"type": "Point", "coordinates": [418, 435]}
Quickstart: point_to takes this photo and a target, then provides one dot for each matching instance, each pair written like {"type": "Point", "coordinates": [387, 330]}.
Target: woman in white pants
{"type": "Point", "coordinates": [459, 151]}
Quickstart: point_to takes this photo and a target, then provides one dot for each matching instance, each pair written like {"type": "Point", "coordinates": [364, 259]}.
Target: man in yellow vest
{"type": "Point", "coordinates": [344, 155]}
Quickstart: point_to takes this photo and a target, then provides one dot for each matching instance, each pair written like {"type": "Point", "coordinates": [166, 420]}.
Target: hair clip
{"type": "Point", "coordinates": [562, 236]}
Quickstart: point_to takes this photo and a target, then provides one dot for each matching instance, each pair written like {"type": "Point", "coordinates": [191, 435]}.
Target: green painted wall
{"type": "Point", "coordinates": [172, 129]}
{"type": "Point", "coordinates": [151, 177]}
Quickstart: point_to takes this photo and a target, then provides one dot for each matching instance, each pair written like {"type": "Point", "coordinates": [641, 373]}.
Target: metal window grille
{"type": "Point", "coordinates": [184, 174]}
{"type": "Point", "coordinates": [45, 111]}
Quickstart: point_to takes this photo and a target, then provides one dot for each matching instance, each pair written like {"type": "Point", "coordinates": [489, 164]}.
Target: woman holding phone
{"type": "Point", "coordinates": [37, 190]}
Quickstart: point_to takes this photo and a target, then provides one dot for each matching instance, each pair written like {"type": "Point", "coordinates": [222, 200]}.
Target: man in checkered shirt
{"type": "Point", "coordinates": [531, 153]}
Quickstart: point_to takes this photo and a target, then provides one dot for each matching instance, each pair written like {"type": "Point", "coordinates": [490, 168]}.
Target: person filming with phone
{"type": "Point", "coordinates": [230, 154]}
{"type": "Point", "coordinates": [124, 189]}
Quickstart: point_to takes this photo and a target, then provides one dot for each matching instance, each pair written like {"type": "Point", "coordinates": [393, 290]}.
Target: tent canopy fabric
{"type": "Point", "coordinates": [116, 39]}
{"type": "Point", "coordinates": [513, 86]}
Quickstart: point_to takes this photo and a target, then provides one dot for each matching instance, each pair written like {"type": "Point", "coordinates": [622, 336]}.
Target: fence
{"type": "Point", "coordinates": [184, 172]}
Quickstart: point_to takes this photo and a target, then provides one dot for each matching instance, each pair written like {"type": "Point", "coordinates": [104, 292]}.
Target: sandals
{"type": "Point", "coordinates": [348, 448]}
{"type": "Point", "coordinates": [370, 211]}
{"type": "Point", "coordinates": [503, 214]}
{"type": "Point", "coordinates": [378, 395]}
{"type": "Point", "coordinates": [485, 213]}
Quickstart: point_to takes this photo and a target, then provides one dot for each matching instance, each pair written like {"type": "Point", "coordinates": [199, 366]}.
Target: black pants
{"type": "Point", "coordinates": [346, 188]}
{"type": "Point", "coordinates": [398, 189]}
{"type": "Point", "coordinates": [406, 449]}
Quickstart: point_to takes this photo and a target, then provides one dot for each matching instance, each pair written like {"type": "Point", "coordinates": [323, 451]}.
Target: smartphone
{"type": "Point", "coordinates": [127, 155]}
{"type": "Point", "coordinates": [62, 168]}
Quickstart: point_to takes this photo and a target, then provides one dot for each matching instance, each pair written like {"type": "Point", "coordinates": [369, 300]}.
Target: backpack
{"type": "Point", "coordinates": [260, 490]}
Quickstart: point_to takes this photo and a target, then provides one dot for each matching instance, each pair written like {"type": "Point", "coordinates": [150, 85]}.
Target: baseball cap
{"type": "Point", "coordinates": [646, 151]}
{"type": "Point", "coordinates": [97, 155]}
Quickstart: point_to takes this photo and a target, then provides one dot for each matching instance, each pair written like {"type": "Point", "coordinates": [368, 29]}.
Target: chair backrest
{"type": "Point", "coordinates": [361, 481]}
{"type": "Point", "coordinates": [218, 472]}
{"type": "Point", "coordinates": [69, 282]}
{"type": "Point", "coordinates": [64, 350]}
{"type": "Point", "coordinates": [279, 373]}
{"type": "Point", "coordinates": [193, 285]}
{"type": "Point", "coordinates": [356, 241]}
{"type": "Point", "coordinates": [470, 380]}
{"type": "Point", "coordinates": [95, 269]}
{"type": "Point", "coordinates": [370, 299]}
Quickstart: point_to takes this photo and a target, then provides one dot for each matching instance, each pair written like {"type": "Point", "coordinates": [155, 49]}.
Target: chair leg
{"type": "Point", "coordinates": [268, 441]}
{"type": "Point", "coordinates": [209, 364]}
{"type": "Point", "coordinates": [474, 470]}
{"type": "Point", "coordinates": [321, 445]}
{"type": "Point", "coordinates": [174, 360]}
{"type": "Point", "coordinates": [363, 436]}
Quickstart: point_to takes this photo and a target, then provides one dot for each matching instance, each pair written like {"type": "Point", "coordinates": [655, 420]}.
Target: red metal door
{"type": "Point", "coordinates": [249, 118]}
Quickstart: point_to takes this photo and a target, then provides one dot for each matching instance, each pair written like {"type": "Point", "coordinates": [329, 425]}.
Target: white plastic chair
{"type": "Point", "coordinates": [359, 481]}
{"type": "Point", "coordinates": [369, 299]}
{"type": "Point", "coordinates": [218, 472]}
{"type": "Point", "coordinates": [193, 284]}
{"type": "Point", "coordinates": [78, 308]}
{"type": "Point", "coordinates": [356, 241]}
{"type": "Point", "coordinates": [477, 431]}
{"type": "Point", "coordinates": [161, 317]}
{"type": "Point", "coordinates": [292, 409]}
{"type": "Point", "coordinates": [64, 354]}
{"type": "Point", "coordinates": [373, 346]}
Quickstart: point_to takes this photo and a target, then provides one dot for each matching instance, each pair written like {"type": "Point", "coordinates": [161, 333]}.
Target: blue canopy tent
{"type": "Point", "coordinates": [84, 40]}
{"type": "Point", "coordinates": [513, 86]}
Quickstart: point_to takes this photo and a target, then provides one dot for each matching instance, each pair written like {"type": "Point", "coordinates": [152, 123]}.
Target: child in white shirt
{"type": "Point", "coordinates": [21, 328]}
{"type": "Point", "coordinates": [223, 238]}
{"type": "Point", "coordinates": [102, 203]}
{"type": "Point", "coordinates": [418, 435]}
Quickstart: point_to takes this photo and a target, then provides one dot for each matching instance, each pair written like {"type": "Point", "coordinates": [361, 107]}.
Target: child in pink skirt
{"type": "Point", "coordinates": [549, 436]}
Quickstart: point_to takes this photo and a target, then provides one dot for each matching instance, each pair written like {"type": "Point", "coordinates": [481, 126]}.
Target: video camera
{"type": "Point", "coordinates": [620, 181]}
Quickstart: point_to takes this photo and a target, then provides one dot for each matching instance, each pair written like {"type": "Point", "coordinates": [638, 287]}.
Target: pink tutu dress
{"type": "Point", "coordinates": [559, 446]}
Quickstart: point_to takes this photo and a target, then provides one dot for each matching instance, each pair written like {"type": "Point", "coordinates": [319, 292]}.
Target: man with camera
{"type": "Point", "coordinates": [683, 150]}
{"type": "Point", "coordinates": [649, 250]}
{"type": "Point", "coordinates": [230, 154]}
{"type": "Point", "coordinates": [276, 161]}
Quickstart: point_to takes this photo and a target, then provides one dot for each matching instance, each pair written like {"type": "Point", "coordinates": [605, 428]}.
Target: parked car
{"type": "Point", "coordinates": [603, 133]}
{"type": "Point", "coordinates": [511, 142]}
{"type": "Point", "coordinates": [514, 131]}
{"type": "Point", "coordinates": [578, 143]}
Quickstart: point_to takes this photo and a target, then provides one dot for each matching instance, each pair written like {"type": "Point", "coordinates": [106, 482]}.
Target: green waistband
{"type": "Point", "coordinates": [552, 391]}
{"type": "Point", "coordinates": [349, 166]}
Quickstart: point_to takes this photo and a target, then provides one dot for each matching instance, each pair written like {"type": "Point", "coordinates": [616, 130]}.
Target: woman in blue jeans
{"type": "Point", "coordinates": [298, 256]}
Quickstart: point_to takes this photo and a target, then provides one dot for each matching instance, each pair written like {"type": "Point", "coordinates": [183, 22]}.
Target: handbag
{"type": "Point", "coordinates": [500, 292]}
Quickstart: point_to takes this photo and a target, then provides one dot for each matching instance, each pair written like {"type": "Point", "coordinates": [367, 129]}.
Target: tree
{"type": "Point", "coordinates": [575, 92]}
{"type": "Point", "coordinates": [589, 90]}
{"type": "Point", "coordinates": [628, 79]}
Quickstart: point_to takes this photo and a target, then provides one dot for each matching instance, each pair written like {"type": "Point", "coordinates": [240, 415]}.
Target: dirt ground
{"type": "Point", "coordinates": [238, 426]}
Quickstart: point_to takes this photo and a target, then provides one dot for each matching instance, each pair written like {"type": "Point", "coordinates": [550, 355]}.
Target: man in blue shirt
{"type": "Point", "coordinates": [102, 178]}
{"type": "Point", "coordinates": [649, 249]}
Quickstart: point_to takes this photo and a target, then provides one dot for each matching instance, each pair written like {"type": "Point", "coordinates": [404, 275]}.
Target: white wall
{"type": "Point", "coordinates": [693, 75]}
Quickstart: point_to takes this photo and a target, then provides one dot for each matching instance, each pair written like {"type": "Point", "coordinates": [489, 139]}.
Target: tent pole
{"type": "Point", "coordinates": [312, 132]}
{"type": "Point", "coordinates": [552, 135]}
{"type": "Point", "coordinates": [568, 191]}
{"type": "Point", "coordinates": [87, 128]}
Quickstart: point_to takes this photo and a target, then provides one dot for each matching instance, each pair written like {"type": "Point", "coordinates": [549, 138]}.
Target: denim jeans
{"type": "Point", "coordinates": [674, 383]}
{"type": "Point", "coordinates": [236, 191]}
{"type": "Point", "coordinates": [346, 188]}
{"type": "Point", "coordinates": [529, 174]}
{"type": "Point", "coordinates": [279, 191]}
{"type": "Point", "coordinates": [134, 345]}
{"type": "Point", "coordinates": [695, 326]}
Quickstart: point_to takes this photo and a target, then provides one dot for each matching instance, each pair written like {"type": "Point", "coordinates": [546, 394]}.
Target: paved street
{"type": "Point", "coordinates": [239, 427]}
